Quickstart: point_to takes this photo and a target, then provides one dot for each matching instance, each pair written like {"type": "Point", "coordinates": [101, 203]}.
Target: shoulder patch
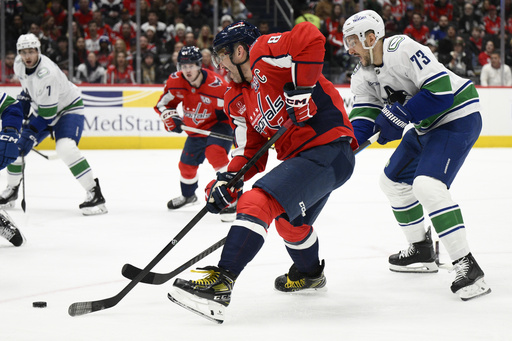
{"type": "Point", "coordinates": [394, 43]}
{"type": "Point", "coordinates": [43, 72]}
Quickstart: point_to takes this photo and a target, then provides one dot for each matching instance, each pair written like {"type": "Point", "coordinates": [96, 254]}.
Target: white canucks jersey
{"type": "Point", "coordinates": [409, 67]}
{"type": "Point", "coordinates": [51, 93]}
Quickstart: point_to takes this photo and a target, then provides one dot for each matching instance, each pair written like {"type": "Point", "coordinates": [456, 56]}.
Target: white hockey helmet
{"type": "Point", "coordinates": [362, 22]}
{"type": "Point", "coordinates": [27, 41]}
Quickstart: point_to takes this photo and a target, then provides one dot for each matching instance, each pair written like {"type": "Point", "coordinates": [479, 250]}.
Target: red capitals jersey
{"type": "Point", "coordinates": [202, 107]}
{"type": "Point", "coordinates": [258, 110]}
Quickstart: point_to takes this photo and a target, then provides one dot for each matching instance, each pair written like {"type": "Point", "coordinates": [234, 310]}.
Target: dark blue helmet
{"type": "Point", "coordinates": [190, 55]}
{"type": "Point", "coordinates": [238, 32]}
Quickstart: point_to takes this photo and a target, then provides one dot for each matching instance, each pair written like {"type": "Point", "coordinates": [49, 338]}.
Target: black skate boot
{"type": "Point", "coordinates": [420, 257]}
{"type": "Point", "coordinates": [469, 279]}
{"type": "Point", "coordinates": [228, 215]}
{"type": "Point", "coordinates": [94, 203]}
{"type": "Point", "coordinates": [9, 231]}
{"type": "Point", "coordinates": [9, 196]}
{"type": "Point", "coordinates": [207, 297]}
{"type": "Point", "coordinates": [298, 281]}
{"type": "Point", "coordinates": [181, 201]}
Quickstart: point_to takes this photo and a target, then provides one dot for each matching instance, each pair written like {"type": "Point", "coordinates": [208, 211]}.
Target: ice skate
{"type": "Point", "coordinates": [181, 201]}
{"type": "Point", "coordinates": [9, 196]}
{"type": "Point", "coordinates": [207, 297]}
{"type": "Point", "coordinates": [295, 281]}
{"type": "Point", "coordinates": [420, 257]}
{"type": "Point", "coordinates": [94, 203]}
{"type": "Point", "coordinates": [9, 231]}
{"type": "Point", "coordinates": [469, 279]}
{"type": "Point", "coordinates": [228, 215]}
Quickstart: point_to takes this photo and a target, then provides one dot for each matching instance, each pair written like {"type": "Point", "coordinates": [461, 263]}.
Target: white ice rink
{"type": "Point", "coordinates": [72, 258]}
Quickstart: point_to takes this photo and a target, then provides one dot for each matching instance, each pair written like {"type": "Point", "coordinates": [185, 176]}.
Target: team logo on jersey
{"type": "Point", "coordinates": [394, 43]}
{"type": "Point", "coordinates": [216, 83]}
{"type": "Point", "coordinates": [174, 75]}
{"type": "Point", "coordinates": [197, 116]}
{"type": "Point", "coordinates": [43, 72]}
{"type": "Point", "coordinates": [260, 78]}
{"type": "Point", "coordinates": [267, 117]}
{"type": "Point", "coordinates": [205, 99]}
{"type": "Point", "coordinates": [240, 107]}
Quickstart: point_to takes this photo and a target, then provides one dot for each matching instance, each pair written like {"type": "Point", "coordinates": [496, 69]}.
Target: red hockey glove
{"type": "Point", "coordinates": [298, 103]}
{"type": "Point", "coordinates": [172, 121]}
{"type": "Point", "coordinates": [218, 195]}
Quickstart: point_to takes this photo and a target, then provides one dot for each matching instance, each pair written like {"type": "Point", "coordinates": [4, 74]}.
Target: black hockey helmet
{"type": "Point", "coordinates": [225, 41]}
{"type": "Point", "coordinates": [189, 55]}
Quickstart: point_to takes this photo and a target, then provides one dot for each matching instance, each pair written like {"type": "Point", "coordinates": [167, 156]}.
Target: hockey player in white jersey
{"type": "Point", "coordinates": [399, 81]}
{"type": "Point", "coordinates": [57, 109]}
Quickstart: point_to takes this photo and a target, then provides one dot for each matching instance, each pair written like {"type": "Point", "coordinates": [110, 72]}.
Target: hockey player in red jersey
{"type": "Point", "coordinates": [275, 77]}
{"type": "Point", "coordinates": [201, 92]}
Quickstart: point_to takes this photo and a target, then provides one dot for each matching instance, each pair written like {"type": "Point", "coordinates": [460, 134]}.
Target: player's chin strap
{"type": "Point", "coordinates": [238, 64]}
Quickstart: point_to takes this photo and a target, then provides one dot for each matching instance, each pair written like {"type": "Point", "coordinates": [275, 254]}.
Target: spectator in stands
{"type": "Point", "coordinates": [120, 72]}
{"type": "Point", "coordinates": [33, 10]}
{"type": "Point", "coordinates": [397, 8]}
{"type": "Point", "coordinates": [158, 25]}
{"type": "Point", "coordinates": [439, 8]}
{"type": "Point", "coordinates": [205, 38]}
{"type": "Point", "coordinates": [224, 22]}
{"type": "Point", "coordinates": [92, 38]}
{"type": "Point", "coordinates": [104, 29]}
{"type": "Point", "coordinates": [127, 35]}
{"type": "Point", "coordinates": [150, 70]}
{"type": "Point", "coordinates": [468, 20]}
{"type": "Point", "coordinates": [324, 9]}
{"type": "Point", "coordinates": [461, 63]}
{"type": "Point", "coordinates": [207, 60]}
{"type": "Point", "coordinates": [485, 56]}
{"type": "Point", "coordinates": [111, 10]}
{"type": "Point", "coordinates": [458, 10]}
{"type": "Point", "coordinates": [440, 31]}
{"type": "Point", "coordinates": [306, 14]}
{"type": "Point", "coordinates": [196, 19]}
{"type": "Point", "coordinates": [475, 42]}
{"type": "Point", "coordinates": [264, 27]}
{"type": "Point", "coordinates": [171, 12]}
{"type": "Point", "coordinates": [445, 45]}
{"type": "Point", "coordinates": [417, 31]}
{"type": "Point", "coordinates": [91, 71]}
{"type": "Point", "coordinates": [235, 8]}
{"type": "Point", "coordinates": [47, 45]}
{"type": "Point", "coordinates": [374, 5]}
{"type": "Point", "coordinates": [492, 23]}
{"type": "Point", "coordinates": [125, 18]}
{"type": "Point", "coordinates": [391, 25]}
{"type": "Point", "coordinates": [84, 13]}
{"type": "Point", "coordinates": [81, 52]}
{"type": "Point", "coordinates": [508, 54]}
{"type": "Point", "coordinates": [432, 45]}
{"type": "Point", "coordinates": [190, 39]}
{"type": "Point", "coordinates": [9, 77]}
{"type": "Point", "coordinates": [179, 33]}
{"type": "Point", "coordinates": [61, 54]}
{"type": "Point", "coordinates": [491, 72]}
{"type": "Point", "coordinates": [119, 46]}
{"type": "Point", "coordinates": [332, 21]}
{"type": "Point", "coordinates": [13, 32]}
{"type": "Point", "coordinates": [59, 13]}
{"type": "Point", "coordinates": [104, 52]}
{"type": "Point", "coordinates": [406, 19]}
{"type": "Point", "coordinates": [50, 32]}
{"type": "Point", "coordinates": [350, 7]}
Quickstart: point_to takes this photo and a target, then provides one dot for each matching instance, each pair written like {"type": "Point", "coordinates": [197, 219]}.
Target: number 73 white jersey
{"type": "Point", "coordinates": [407, 68]}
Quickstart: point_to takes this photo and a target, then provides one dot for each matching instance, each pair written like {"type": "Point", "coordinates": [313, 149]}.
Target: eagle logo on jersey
{"type": "Point", "coordinates": [174, 75]}
{"type": "Point", "coordinates": [196, 115]}
{"type": "Point", "coordinates": [216, 83]}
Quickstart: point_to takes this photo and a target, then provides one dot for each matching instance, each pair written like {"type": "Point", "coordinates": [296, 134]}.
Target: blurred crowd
{"type": "Point", "coordinates": [463, 34]}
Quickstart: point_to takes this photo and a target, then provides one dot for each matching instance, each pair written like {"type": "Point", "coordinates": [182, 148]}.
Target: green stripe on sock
{"type": "Point", "coordinates": [80, 167]}
{"type": "Point", "coordinates": [14, 168]}
{"type": "Point", "coordinates": [408, 216]}
{"type": "Point", "coordinates": [447, 220]}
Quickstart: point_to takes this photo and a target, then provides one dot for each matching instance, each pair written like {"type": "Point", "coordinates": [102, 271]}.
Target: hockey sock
{"type": "Point", "coordinates": [70, 154]}
{"type": "Point", "coordinates": [14, 173]}
{"type": "Point", "coordinates": [444, 213]}
{"type": "Point", "coordinates": [188, 179]}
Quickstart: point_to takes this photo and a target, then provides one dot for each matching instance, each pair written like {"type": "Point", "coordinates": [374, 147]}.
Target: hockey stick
{"type": "Point", "coordinates": [23, 203]}
{"type": "Point", "coordinates": [207, 133]}
{"type": "Point", "coordinates": [129, 271]}
{"type": "Point", "coordinates": [47, 157]}
{"type": "Point", "coordinates": [82, 308]}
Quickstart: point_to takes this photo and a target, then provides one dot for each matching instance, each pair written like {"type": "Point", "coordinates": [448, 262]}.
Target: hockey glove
{"type": "Point", "coordinates": [24, 100]}
{"type": "Point", "coordinates": [218, 195]}
{"type": "Point", "coordinates": [27, 139]}
{"type": "Point", "coordinates": [391, 122]}
{"type": "Point", "coordinates": [172, 121]}
{"type": "Point", "coordinates": [298, 103]}
{"type": "Point", "coordinates": [8, 148]}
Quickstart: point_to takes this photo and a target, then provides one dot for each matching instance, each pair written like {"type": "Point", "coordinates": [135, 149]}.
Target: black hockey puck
{"type": "Point", "coordinates": [39, 304]}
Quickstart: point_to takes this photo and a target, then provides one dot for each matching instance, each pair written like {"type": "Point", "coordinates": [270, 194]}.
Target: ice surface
{"type": "Point", "coordinates": [72, 258]}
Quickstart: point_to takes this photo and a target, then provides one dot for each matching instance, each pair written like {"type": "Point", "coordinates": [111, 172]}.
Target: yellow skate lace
{"type": "Point", "coordinates": [295, 284]}
{"type": "Point", "coordinates": [210, 278]}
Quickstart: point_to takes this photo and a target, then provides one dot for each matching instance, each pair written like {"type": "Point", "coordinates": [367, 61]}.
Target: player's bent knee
{"type": "Point", "coordinates": [394, 190]}
{"type": "Point", "coordinates": [432, 193]}
{"type": "Point", "coordinates": [67, 150]}
{"type": "Point", "coordinates": [259, 204]}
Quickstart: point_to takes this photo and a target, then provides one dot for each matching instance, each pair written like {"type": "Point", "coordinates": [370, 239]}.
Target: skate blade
{"type": "Point", "coordinates": [228, 217]}
{"type": "Point", "coordinates": [477, 289]}
{"type": "Point", "coordinates": [415, 268]}
{"type": "Point", "coordinates": [209, 310]}
{"type": "Point", "coordinates": [94, 210]}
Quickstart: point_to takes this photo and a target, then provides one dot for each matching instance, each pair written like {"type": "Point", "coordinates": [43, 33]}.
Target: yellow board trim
{"type": "Point", "coordinates": [177, 142]}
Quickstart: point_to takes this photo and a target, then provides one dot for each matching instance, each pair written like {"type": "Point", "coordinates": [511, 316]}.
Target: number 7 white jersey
{"type": "Point", "coordinates": [409, 67]}
{"type": "Point", "coordinates": [52, 94]}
